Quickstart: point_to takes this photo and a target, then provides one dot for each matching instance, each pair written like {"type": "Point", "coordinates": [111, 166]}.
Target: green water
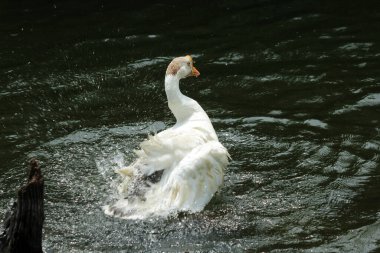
{"type": "Point", "coordinates": [292, 88]}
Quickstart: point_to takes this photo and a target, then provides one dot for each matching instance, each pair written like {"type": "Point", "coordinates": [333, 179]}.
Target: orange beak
{"type": "Point", "coordinates": [195, 72]}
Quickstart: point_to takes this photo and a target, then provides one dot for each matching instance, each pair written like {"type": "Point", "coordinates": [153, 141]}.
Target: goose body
{"type": "Point", "coordinates": [188, 159]}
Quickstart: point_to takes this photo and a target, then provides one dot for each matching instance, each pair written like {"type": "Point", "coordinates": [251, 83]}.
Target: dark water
{"type": "Point", "coordinates": [292, 87]}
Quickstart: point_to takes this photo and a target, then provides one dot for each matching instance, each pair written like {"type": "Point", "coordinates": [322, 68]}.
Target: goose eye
{"type": "Point", "coordinates": [188, 64]}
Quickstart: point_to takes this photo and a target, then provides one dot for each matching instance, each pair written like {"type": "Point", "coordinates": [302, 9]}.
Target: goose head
{"type": "Point", "coordinates": [182, 67]}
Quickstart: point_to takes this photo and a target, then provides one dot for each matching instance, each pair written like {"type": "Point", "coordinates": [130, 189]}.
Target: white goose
{"type": "Point", "coordinates": [183, 166]}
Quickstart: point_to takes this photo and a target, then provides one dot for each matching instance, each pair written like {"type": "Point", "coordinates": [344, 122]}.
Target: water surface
{"type": "Point", "coordinates": [292, 89]}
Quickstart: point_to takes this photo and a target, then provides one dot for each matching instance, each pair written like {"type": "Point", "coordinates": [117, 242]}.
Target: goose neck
{"type": "Point", "coordinates": [172, 90]}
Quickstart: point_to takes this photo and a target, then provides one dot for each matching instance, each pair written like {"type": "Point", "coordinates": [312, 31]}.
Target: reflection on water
{"type": "Point", "coordinates": [292, 89]}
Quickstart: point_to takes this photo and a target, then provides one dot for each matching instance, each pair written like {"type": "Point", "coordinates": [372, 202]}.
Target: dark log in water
{"type": "Point", "coordinates": [23, 224]}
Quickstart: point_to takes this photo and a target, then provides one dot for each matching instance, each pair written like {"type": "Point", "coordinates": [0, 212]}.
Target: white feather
{"type": "Point", "coordinates": [190, 156]}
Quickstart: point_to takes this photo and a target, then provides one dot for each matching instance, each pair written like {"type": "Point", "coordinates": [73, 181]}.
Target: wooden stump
{"type": "Point", "coordinates": [23, 224]}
